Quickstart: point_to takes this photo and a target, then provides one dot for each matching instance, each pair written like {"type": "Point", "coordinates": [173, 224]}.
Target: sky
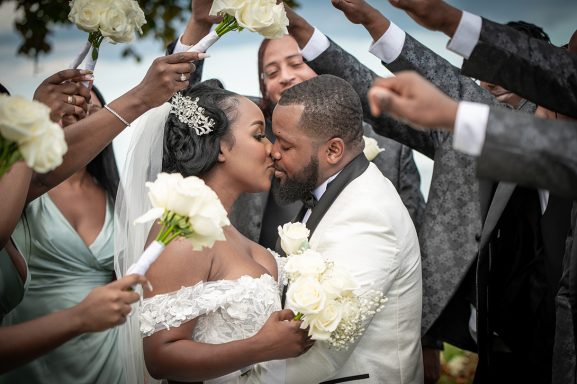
{"type": "Point", "coordinates": [233, 58]}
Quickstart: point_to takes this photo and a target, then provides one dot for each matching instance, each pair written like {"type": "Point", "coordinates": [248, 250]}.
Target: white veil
{"type": "Point", "coordinates": [143, 163]}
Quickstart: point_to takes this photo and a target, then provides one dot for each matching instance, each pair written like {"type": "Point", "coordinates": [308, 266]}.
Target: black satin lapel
{"type": "Point", "coordinates": [485, 194]}
{"type": "Point", "coordinates": [350, 172]}
{"type": "Point", "coordinates": [500, 199]}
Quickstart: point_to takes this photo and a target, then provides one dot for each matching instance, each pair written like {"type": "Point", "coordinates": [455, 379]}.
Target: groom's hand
{"type": "Point", "coordinates": [281, 337]}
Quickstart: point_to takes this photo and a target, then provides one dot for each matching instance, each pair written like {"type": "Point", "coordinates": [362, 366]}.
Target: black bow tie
{"type": "Point", "coordinates": [310, 201]}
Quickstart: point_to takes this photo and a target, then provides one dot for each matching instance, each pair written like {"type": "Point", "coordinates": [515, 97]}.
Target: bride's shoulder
{"type": "Point", "coordinates": [180, 265]}
{"type": "Point", "coordinates": [265, 258]}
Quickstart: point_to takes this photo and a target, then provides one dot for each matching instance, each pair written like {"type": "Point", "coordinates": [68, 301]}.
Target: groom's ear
{"type": "Point", "coordinates": [335, 149]}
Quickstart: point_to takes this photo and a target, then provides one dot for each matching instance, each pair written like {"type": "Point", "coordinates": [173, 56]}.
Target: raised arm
{"type": "Point", "coordinates": [89, 136]}
{"type": "Point", "coordinates": [512, 146]}
{"type": "Point", "coordinates": [198, 26]}
{"type": "Point", "coordinates": [529, 67]}
{"type": "Point", "coordinates": [56, 92]}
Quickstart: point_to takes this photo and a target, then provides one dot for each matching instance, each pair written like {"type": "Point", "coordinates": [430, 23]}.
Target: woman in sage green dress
{"type": "Point", "coordinates": [67, 237]}
{"type": "Point", "coordinates": [105, 306]}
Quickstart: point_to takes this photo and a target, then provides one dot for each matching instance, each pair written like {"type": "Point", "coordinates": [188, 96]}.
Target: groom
{"type": "Point", "coordinates": [357, 219]}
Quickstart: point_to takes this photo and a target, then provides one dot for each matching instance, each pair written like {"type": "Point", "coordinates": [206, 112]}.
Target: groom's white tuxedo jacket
{"type": "Point", "coordinates": [368, 230]}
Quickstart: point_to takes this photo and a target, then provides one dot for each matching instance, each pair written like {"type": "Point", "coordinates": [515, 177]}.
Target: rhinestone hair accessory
{"type": "Point", "coordinates": [188, 112]}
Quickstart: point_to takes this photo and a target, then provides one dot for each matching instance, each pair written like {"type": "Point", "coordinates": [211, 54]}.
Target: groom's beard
{"type": "Point", "coordinates": [298, 188]}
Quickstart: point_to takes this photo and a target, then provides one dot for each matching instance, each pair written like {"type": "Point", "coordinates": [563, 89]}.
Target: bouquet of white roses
{"type": "Point", "coordinates": [186, 207]}
{"type": "Point", "coordinates": [114, 20]}
{"type": "Point", "coordinates": [324, 295]}
{"type": "Point", "coordinates": [263, 16]}
{"type": "Point", "coordinates": [26, 132]}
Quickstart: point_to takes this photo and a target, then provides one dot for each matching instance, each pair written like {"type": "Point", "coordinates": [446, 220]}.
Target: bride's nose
{"type": "Point", "coordinates": [268, 146]}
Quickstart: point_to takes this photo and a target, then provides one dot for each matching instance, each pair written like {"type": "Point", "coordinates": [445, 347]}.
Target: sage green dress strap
{"type": "Point", "coordinates": [63, 271]}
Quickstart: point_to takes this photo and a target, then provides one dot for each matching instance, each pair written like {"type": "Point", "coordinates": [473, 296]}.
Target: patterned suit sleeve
{"type": "Point", "coordinates": [338, 62]}
{"type": "Point", "coordinates": [534, 69]}
{"type": "Point", "coordinates": [196, 76]}
{"type": "Point", "coordinates": [529, 151]}
{"type": "Point", "coordinates": [409, 186]}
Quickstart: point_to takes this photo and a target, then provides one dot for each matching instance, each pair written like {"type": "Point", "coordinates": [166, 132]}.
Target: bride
{"type": "Point", "coordinates": [214, 313]}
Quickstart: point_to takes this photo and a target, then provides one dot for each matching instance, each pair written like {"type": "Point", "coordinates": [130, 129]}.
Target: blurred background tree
{"type": "Point", "coordinates": [39, 17]}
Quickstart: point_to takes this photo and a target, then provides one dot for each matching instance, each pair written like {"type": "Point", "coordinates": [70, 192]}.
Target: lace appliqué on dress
{"type": "Point", "coordinates": [227, 310]}
{"type": "Point", "coordinates": [281, 263]}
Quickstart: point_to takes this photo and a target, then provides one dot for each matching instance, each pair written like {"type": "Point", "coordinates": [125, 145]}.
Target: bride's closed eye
{"type": "Point", "coordinates": [260, 136]}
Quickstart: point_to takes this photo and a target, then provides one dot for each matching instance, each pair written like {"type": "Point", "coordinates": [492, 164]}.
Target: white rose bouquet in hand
{"type": "Point", "coordinates": [323, 294]}
{"type": "Point", "coordinates": [114, 20]}
{"type": "Point", "coordinates": [26, 132]}
{"type": "Point", "coordinates": [186, 207]}
{"type": "Point", "coordinates": [262, 16]}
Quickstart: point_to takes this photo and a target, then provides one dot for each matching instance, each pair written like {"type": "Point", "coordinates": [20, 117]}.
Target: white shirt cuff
{"type": "Point", "coordinates": [317, 44]}
{"type": "Point", "coordinates": [179, 47]}
{"type": "Point", "coordinates": [467, 35]}
{"type": "Point", "coordinates": [389, 47]}
{"type": "Point", "coordinates": [470, 127]}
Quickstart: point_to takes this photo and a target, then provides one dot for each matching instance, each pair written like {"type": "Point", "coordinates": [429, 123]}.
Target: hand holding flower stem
{"type": "Point", "coordinates": [186, 207]}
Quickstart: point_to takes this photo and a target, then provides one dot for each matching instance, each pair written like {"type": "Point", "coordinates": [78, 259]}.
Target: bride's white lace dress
{"type": "Point", "coordinates": [226, 310]}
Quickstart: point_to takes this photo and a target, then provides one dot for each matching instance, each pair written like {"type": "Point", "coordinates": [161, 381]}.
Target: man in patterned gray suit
{"type": "Point", "coordinates": [516, 148]}
{"type": "Point", "coordinates": [544, 158]}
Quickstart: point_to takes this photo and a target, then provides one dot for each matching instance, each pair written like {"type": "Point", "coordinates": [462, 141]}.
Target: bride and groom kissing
{"type": "Point", "coordinates": [215, 315]}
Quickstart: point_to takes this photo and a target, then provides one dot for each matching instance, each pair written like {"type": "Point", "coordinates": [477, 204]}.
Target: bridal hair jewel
{"type": "Point", "coordinates": [188, 112]}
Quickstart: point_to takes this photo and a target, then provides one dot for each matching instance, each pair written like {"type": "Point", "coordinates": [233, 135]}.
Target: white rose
{"type": "Point", "coordinates": [228, 7]}
{"type": "Point", "coordinates": [278, 27]}
{"type": "Point", "coordinates": [258, 14]}
{"type": "Point", "coordinates": [187, 196]}
{"type": "Point", "coordinates": [161, 190]}
{"type": "Point", "coordinates": [208, 224]}
{"type": "Point", "coordinates": [86, 14]}
{"type": "Point", "coordinates": [207, 219]}
{"type": "Point", "coordinates": [136, 16]}
{"type": "Point", "coordinates": [339, 283]}
{"type": "Point", "coordinates": [325, 322]}
{"type": "Point", "coordinates": [44, 152]}
{"type": "Point", "coordinates": [372, 148]}
{"type": "Point", "coordinates": [115, 25]}
{"type": "Point", "coordinates": [22, 119]}
{"type": "Point", "coordinates": [306, 295]}
{"type": "Point", "coordinates": [293, 237]}
{"type": "Point", "coordinates": [309, 263]}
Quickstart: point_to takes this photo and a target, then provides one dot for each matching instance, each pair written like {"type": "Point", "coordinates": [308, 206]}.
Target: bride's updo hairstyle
{"type": "Point", "coordinates": [189, 147]}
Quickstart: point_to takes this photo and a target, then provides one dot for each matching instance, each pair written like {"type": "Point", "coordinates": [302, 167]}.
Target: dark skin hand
{"type": "Point", "coordinates": [435, 15]}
